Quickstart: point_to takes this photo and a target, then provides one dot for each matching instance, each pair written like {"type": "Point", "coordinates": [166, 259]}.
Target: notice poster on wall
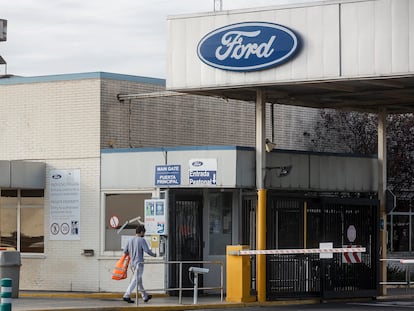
{"type": "Point", "coordinates": [155, 216]}
{"type": "Point", "coordinates": [64, 204]}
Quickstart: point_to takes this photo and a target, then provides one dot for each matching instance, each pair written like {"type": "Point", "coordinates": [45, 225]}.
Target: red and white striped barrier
{"type": "Point", "coordinates": [299, 251]}
{"type": "Point", "coordinates": [351, 257]}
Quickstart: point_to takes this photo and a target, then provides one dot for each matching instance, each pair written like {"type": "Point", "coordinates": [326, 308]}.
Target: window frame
{"type": "Point", "coordinates": [104, 193]}
{"type": "Point", "coordinates": [19, 208]}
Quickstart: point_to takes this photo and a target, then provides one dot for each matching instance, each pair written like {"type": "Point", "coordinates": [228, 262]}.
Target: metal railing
{"type": "Point", "coordinates": [407, 265]}
{"type": "Point", "coordinates": [180, 287]}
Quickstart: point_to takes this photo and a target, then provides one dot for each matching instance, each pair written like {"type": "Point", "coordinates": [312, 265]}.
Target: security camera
{"type": "Point", "coordinates": [198, 270]}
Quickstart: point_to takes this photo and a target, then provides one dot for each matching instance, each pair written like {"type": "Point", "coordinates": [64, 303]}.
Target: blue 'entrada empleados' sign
{"type": "Point", "coordinates": [248, 46]}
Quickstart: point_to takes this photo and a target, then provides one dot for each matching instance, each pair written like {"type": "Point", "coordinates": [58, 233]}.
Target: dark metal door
{"type": "Point", "coordinates": [289, 275]}
{"type": "Point", "coordinates": [248, 233]}
{"type": "Point", "coordinates": [185, 239]}
{"type": "Point", "coordinates": [298, 222]}
{"type": "Point", "coordinates": [348, 223]}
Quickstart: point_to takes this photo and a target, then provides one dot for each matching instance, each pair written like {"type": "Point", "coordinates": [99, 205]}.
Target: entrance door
{"type": "Point", "coordinates": [348, 223]}
{"type": "Point", "coordinates": [185, 237]}
{"type": "Point", "coordinates": [304, 223]}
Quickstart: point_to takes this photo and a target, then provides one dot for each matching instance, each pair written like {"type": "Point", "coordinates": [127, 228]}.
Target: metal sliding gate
{"type": "Point", "coordinates": [304, 223]}
{"type": "Point", "coordinates": [186, 235]}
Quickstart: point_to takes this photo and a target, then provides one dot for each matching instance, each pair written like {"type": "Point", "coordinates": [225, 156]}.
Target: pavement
{"type": "Point", "coordinates": [68, 301]}
{"type": "Point", "coordinates": [46, 301]}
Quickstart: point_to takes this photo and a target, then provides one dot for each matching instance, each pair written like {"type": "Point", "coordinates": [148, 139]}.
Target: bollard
{"type": "Point", "coordinates": [196, 271]}
{"type": "Point", "coordinates": [6, 294]}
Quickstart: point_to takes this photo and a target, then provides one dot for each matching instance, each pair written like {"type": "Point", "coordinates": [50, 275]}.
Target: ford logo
{"type": "Point", "coordinates": [248, 46]}
{"type": "Point", "coordinates": [197, 163]}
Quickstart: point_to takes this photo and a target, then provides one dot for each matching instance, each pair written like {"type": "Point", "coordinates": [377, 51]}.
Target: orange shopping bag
{"type": "Point", "coordinates": [121, 268]}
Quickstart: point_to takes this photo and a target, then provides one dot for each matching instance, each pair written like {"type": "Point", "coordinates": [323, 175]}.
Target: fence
{"type": "Point", "coordinates": [180, 289]}
{"type": "Point", "coordinates": [398, 277]}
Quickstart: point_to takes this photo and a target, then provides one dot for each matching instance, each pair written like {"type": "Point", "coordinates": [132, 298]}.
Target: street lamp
{"type": "Point", "coordinates": [3, 29]}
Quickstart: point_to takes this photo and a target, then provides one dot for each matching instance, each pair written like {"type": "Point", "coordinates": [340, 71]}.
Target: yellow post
{"type": "Point", "coordinates": [261, 245]}
{"type": "Point", "coordinates": [238, 275]}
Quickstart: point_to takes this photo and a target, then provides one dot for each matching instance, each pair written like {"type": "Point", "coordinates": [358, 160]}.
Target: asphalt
{"type": "Point", "coordinates": [46, 301]}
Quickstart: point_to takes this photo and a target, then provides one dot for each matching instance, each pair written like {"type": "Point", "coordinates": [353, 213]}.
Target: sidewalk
{"type": "Point", "coordinates": [68, 301]}
{"type": "Point", "coordinates": [46, 301]}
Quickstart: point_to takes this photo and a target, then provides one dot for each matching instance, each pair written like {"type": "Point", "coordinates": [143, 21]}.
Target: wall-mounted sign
{"type": "Point", "coordinates": [114, 222]}
{"type": "Point", "coordinates": [65, 204]}
{"type": "Point", "coordinates": [203, 172]}
{"type": "Point", "coordinates": [155, 216]}
{"type": "Point", "coordinates": [167, 175]}
{"type": "Point", "coordinates": [248, 46]}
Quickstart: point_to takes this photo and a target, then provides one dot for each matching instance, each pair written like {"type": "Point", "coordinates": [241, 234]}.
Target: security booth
{"type": "Point", "coordinates": [208, 197]}
{"type": "Point", "coordinates": [335, 55]}
{"type": "Point", "coordinates": [200, 188]}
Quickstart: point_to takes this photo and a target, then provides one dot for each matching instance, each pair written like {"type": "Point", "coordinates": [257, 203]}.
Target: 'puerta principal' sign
{"type": "Point", "coordinates": [248, 46]}
{"type": "Point", "coordinates": [167, 175]}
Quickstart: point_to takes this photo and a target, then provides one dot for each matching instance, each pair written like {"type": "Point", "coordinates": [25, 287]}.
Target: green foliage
{"type": "Point", "coordinates": [354, 132]}
{"type": "Point", "coordinates": [395, 274]}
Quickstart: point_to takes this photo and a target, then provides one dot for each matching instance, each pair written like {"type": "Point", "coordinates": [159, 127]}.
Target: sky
{"type": "Point", "coordinates": [47, 37]}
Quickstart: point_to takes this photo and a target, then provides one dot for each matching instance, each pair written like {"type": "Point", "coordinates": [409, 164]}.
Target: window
{"type": "Point", "coordinates": [220, 222]}
{"type": "Point", "coordinates": [22, 220]}
{"type": "Point", "coordinates": [124, 207]}
{"type": "Point", "coordinates": [400, 226]}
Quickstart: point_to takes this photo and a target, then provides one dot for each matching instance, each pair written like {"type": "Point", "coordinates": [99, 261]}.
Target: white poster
{"type": "Point", "coordinates": [65, 204]}
{"type": "Point", "coordinates": [155, 217]}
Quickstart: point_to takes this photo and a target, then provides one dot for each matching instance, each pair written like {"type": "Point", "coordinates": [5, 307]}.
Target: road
{"type": "Point", "coordinates": [369, 305]}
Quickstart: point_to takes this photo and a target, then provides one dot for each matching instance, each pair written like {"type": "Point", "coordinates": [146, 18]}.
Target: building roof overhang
{"type": "Point", "coordinates": [395, 94]}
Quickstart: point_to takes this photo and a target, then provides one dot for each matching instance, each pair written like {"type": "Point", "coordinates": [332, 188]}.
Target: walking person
{"type": "Point", "coordinates": [136, 248]}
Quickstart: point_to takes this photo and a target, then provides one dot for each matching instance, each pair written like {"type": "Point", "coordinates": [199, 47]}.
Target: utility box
{"type": "Point", "coordinates": [10, 263]}
{"type": "Point", "coordinates": [238, 275]}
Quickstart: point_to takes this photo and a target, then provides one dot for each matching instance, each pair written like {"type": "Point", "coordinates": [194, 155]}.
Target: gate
{"type": "Point", "coordinates": [350, 222]}
{"type": "Point", "coordinates": [248, 233]}
{"type": "Point", "coordinates": [186, 225]}
{"type": "Point", "coordinates": [298, 222]}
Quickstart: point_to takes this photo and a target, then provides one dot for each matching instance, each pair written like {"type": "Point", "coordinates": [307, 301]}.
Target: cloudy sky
{"type": "Point", "coordinates": [121, 36]}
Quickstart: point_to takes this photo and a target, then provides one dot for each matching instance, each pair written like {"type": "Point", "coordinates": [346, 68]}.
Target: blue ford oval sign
{"type": "Point", "coordinates": [248, 46]}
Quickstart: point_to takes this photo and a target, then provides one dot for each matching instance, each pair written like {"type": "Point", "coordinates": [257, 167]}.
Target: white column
{"type": "Point", "coordinates": [382, 186]}
{"type": "Point", "coordinates": [260, 139]}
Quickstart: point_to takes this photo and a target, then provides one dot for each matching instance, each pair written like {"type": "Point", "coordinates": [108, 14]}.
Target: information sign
{"type": "Point", "coordinates": [64, 204]}
{"type": "Point", "coordinates": [167, 175]}
{"type": "Point", "coordinates": [155, 216]}
{"type": "Point", "coordinates": [203, 172]}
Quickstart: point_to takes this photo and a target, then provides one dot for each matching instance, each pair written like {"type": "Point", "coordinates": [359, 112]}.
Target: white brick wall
{"type": "Point", "coordinates": [58, 123]}
{"type": "Point", "coordinates": [50, 120]}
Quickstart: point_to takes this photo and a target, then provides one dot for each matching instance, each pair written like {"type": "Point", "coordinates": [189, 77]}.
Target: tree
{"type": "Point", "coordinates": [354, 132]}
